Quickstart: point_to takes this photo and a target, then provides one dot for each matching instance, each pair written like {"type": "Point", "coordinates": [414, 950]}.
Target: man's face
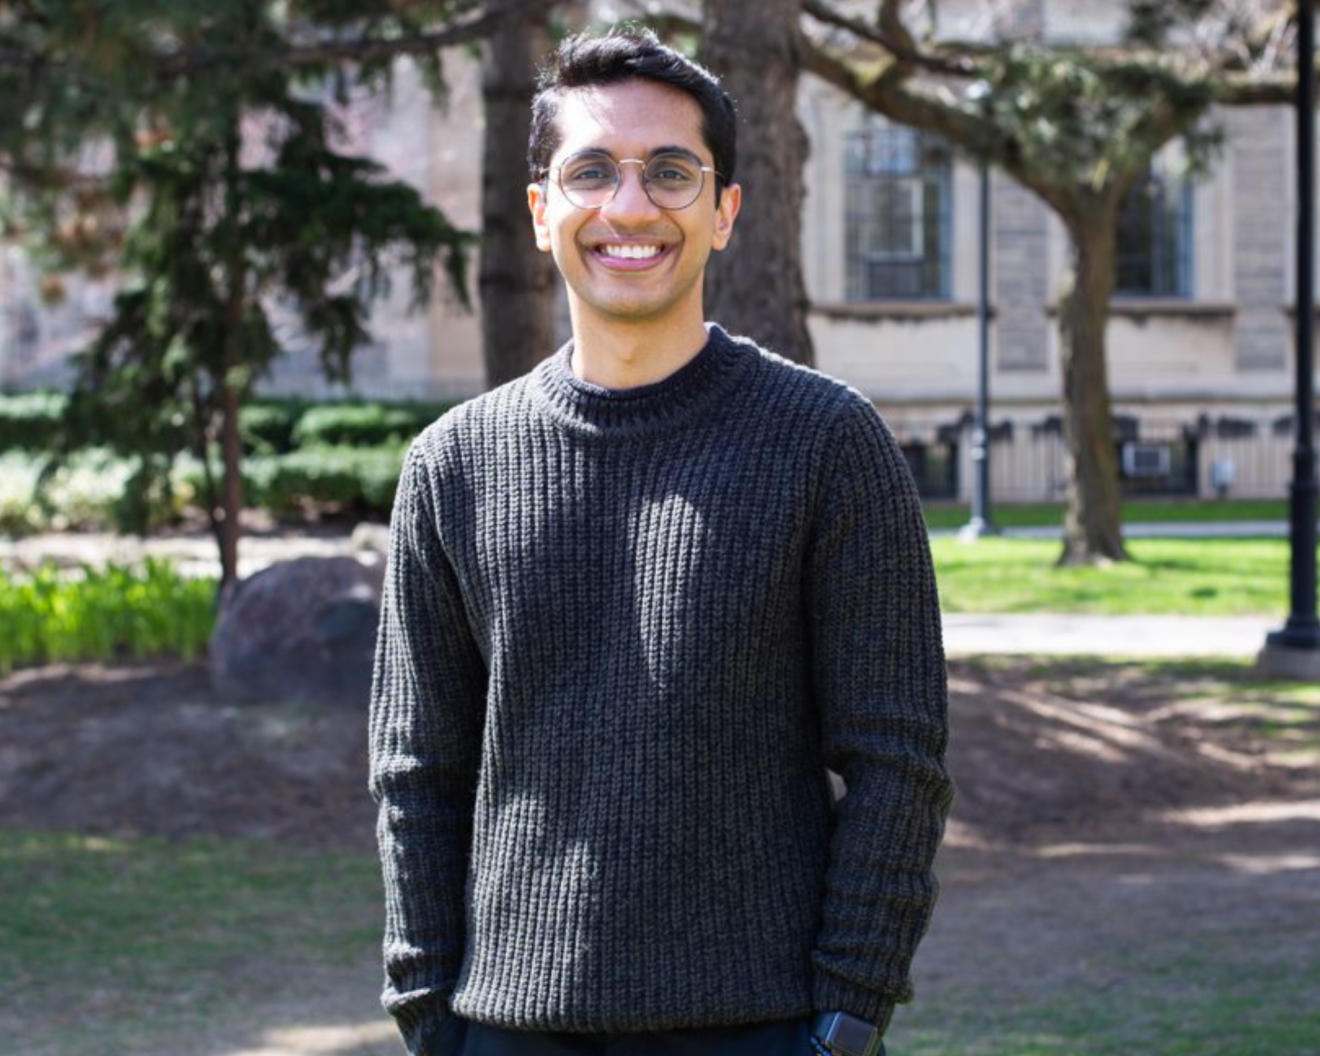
{"type": "Point", "coordinates": [630, 261]}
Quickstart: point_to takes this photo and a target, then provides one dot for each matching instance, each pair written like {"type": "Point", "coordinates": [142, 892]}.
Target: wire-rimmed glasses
{"type": "Point", "coordinates": [672, 179]}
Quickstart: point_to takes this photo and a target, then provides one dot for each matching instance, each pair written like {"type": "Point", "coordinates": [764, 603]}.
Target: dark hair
{"type": "Point", "coordinates": [625, 54]}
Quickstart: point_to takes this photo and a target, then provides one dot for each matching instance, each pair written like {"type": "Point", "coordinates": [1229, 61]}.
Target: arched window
{"type": "Point", "coordinates": [898, 188]}
{"type": "Point", "coordinates": [1154, 255]}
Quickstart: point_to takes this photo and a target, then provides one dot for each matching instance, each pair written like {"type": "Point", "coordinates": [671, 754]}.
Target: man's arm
{"type": "Point", "coordinates": [427, 703]}
{"type": "Point", "coordinates": [880, 686]}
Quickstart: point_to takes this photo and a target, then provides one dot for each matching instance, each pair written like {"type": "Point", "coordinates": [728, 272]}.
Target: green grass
{"type": "Point", "coordinates": [150, 939]}
{"type": "Point", "coordinates": [103, 614]}
{"type": "Point", "coordinates": [1135, 511]}
{"type": "Point", "coordinates": [1203, 994]}
{"type": "Point", "coordinates": [1201, 577]}
{"type": "Point", "coordinates": [161, 941]}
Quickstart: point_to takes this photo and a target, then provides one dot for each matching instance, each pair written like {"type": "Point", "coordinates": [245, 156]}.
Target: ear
{"type": "Point", "coordinates": [536, 202]}
{"type": "Point", "coordinates": [725, 214]}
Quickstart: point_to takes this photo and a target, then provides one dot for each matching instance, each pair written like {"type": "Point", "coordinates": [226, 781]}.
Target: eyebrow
{"type": "Point", "coordinates": [671, 148]}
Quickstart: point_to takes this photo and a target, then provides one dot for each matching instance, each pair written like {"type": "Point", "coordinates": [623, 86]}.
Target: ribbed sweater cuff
{"type": "Point", "coordinates": [833, 994]}
{"type": "Point", "coordinates": [432, 1033]}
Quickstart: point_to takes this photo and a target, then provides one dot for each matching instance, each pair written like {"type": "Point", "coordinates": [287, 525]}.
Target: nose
{"type": "Point", "coordinates": [630, 197]}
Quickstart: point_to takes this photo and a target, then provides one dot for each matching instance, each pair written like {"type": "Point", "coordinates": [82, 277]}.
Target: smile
{"type": "Point", "coordinates": [629, 251]}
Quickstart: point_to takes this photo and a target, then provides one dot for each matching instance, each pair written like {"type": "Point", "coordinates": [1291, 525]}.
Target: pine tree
{"type": "Point", "coordinates": [194, 149]}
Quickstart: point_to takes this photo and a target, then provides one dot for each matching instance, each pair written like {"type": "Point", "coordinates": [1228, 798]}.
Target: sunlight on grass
{"type": "Point", "coordinates": [1135, 511]}
{"type": "Point", "coordinates": [1193, 577]}
{"type": "Point", "coordinates": [1201, 995]}
{"type": "Point", "coordinates": [162, 939]}
{"type": "Point", "coordinates": [323, 1040]}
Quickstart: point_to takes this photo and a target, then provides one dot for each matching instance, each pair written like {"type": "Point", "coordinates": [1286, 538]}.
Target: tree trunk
{"type": "Point", "coordinates": [1093, 527]}
{"type": "Point", "coordinates": [231, 356]}
{"type": "Point", "coordinates": [232, 453]}
{"type": "Point", "coordinates": [515, 280]}
{"type": "Point", "coordinates": [755, 286]}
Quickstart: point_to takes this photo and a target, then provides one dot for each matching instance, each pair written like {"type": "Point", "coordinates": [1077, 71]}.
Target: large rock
{"type": "Point", "coordinates": [299, 630]}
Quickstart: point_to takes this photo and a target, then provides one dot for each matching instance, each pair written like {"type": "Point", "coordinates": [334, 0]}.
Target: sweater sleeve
{"type": "Point", "coordinates": [427, 704]}
{"type": "Point", "coordinates": [880, 684]}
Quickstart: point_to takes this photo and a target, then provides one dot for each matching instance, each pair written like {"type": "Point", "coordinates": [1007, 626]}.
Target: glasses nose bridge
{"type": "Point", "coordinates": [641, 164]}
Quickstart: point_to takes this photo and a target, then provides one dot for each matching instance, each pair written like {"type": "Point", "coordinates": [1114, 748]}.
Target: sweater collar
{"type": "Point", "coordinates": [593, 410]}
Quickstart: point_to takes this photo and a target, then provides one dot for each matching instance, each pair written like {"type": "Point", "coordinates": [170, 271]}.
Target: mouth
{"type": "Point", "coordinates": [629, 256]}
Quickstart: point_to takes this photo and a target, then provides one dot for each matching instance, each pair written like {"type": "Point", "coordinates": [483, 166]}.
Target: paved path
{"type": "Point", "coordinates": [1045, 633]}
{"type": "Point", "coordinates": [193, 554]}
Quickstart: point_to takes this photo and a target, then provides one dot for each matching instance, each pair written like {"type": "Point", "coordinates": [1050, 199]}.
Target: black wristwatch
{"type": "Point", "coordinates": [844, 1034]}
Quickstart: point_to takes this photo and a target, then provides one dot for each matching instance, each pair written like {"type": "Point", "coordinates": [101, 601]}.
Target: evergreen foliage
{"type": "Point", "coordinates": [197, 149]}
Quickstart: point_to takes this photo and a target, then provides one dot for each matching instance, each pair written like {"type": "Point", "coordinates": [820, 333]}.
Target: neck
{"type": "Point", "coordinates": [615, 357]}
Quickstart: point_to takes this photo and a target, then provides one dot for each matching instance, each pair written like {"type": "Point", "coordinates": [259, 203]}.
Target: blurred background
{"type": "Point", "coordinates": [249, 249]}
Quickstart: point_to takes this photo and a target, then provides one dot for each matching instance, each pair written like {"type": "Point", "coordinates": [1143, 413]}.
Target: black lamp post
{"type": "Point", "coordinates": [1294, 651]}
{"type": "Point", "coordinates": [981, 523]}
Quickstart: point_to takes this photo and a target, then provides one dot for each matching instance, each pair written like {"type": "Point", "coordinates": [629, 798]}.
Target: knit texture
{"type": "Point", "coordinates": [624, 632]}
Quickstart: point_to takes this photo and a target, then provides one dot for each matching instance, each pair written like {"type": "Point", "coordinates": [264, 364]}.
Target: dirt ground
{"type": "Point", "coordinates": [1090, 753]}
{"type": "Point", "coordinates": [1090, 797]}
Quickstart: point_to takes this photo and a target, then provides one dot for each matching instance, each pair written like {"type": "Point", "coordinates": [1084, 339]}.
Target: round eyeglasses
{"type": "Point", "coordinates": [672, 179]}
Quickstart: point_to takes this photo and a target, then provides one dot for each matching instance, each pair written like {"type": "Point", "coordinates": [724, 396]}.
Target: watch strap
{"type": "Point", "coordinates": [843, 1034]}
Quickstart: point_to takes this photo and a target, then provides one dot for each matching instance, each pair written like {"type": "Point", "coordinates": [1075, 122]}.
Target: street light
{"type": "Point", "coordinates": [980, 523]}
{"type": "Point", "coordinates": [1294, 651]}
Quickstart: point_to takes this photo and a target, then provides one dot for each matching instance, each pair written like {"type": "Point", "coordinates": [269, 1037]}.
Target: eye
{"type": "Point", "coordinates": [581, 172]}
{"type": "Point", "coordinates": [673, 170]}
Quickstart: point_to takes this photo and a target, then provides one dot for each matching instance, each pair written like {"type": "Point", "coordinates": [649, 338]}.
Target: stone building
{"type": "Point", "coordinates": [1200, 341]}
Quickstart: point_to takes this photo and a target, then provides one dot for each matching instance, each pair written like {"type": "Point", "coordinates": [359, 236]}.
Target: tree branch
{"type": "Point", "coordinates": [359, 49]}
{"type": "Point", "coordinates": [898, 43]}
{"type": "Point", "coordinates": [1249, 90]}
{"type": "Point", "coordinates": [877, 91]}
{"type": "Point", "coordinates": [197, 61]}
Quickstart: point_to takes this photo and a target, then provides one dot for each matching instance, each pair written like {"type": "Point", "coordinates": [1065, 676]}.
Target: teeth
{"type": "Point", "coordinates": [631, 252]}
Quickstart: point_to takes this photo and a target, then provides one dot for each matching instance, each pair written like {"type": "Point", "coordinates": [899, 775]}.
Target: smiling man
{"type": "Point", "coordinates": [638, 601]}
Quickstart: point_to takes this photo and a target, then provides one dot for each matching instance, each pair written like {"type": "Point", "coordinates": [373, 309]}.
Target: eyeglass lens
{"type": "Point", "coordinates": [671, 180]}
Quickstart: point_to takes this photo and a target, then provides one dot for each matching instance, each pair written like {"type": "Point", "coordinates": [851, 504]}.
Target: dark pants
{"type": "Point", "coordinates": [784, 1037]}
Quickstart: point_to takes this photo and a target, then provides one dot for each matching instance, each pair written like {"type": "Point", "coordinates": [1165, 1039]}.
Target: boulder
{"type": "Point", "coordinates": [302, 630]}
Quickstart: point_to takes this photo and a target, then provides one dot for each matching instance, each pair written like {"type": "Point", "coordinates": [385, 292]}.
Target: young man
{"type": "Point", "coordinates": [638, 601]}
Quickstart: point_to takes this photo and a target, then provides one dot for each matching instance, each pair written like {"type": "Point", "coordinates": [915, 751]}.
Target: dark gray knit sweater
{"type": "Point", "coordinates": [624, 634]}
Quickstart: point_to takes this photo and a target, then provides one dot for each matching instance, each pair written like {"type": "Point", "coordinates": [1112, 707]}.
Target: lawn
{"type": "Point", "coordinates": [1231, 1002]}
{"type": "Point", "coordinates": [1190, 577]}
{"type": "Point", "coordinates": [128, 945]}
{"type": "Point", "coordinates": [1135, 511]}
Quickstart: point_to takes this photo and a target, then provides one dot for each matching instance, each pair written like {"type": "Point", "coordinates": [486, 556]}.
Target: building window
{"type": "Point", "coordinates": [898, 188]}
{"type": "Point", "coordinates": [1154, 257]}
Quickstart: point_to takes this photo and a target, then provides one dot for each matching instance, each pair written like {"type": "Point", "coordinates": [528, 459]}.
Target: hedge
{"type": "Point", "coordinates": [338, 458]}
{"type": "Point", "coordinates": [85, 494]}
{"type": "Point", "coordinates": [363, 425]}
{"type": "Point", "coordinates": [30, 421]}
{"type": "Point", "coordinates": [267, 425]}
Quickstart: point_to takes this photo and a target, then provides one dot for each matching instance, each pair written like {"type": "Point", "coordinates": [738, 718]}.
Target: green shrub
{"type": "Point", "coordinates": [88, 493]}
{"type": "Point", "coordinates": [103, 614]}
{"type": "Point", "coordinates": [266, 426]}
{"type": "Point", "coordinates": [363, 424]}
{"type": "Point", "coordinates": [355, 480]}
{"type": "Point", "coordinates": [30, 421]}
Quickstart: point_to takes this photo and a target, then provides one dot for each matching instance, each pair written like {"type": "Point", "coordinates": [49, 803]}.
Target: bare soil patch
{"type": "Point", "coordinates": [1101, 752]}
{"type": "Point", "coordinates": [151, 750]}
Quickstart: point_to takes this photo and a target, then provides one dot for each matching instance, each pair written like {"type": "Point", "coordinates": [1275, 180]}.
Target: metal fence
{"type": "Point", "coordinates": [1202, 457]}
